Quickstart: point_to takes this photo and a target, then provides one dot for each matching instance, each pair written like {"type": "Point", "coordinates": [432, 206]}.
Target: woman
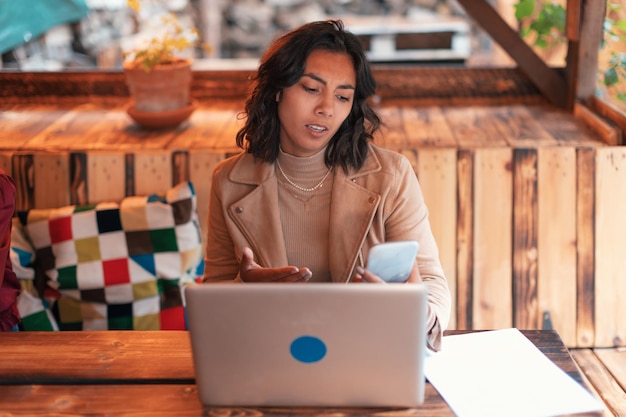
{"type": "Point", "coordinates": [311, 195]}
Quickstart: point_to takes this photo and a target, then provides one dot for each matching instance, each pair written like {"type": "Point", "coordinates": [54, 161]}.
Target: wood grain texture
{"type": "Point", "coordinates": [585, 246]}
{"type": "Point", "coordinates": [465, 239]}
{"type": "Point", "coordinates": [473, 127]}
{"type": "Point", "coordinates": [427, 127]}
{"type": "Point", "coordinates": [610, 285]}
{"type": "Point", "coordinates": [438, 180]}
{"type": "Point", "coordinates": [201, 166]}
{"type": "Point", "coordinates": [556, 239]}
{"type": "Point", "coordinates": [602, 380]}
{"type": "Point", "coordinates": [51, 180]}
{"type": "Point", "coordinates": [493, 238]}
{"type": "Point", "coordinates": [525, 312]}
{"type": "Point", "coordinates": [153, 172]}
{"type": "Point", "coordinates": [615, 361]}
{"type": "Point", "coordinates": [151, 373]}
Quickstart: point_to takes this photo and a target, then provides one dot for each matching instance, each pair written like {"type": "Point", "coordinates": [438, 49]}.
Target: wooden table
{"type": "Point", "coordinates": [135, 373]}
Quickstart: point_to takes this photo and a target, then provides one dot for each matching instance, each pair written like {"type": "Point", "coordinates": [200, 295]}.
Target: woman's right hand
{"type": "Point", "coordinates": [250, 271]}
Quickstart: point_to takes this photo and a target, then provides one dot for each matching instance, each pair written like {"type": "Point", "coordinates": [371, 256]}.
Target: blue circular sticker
{"type": "Point", "coordinates": [308, 349]}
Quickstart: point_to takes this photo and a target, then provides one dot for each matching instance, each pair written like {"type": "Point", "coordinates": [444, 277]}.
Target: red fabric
{"type": "Point", "coordinates": [9, 285]}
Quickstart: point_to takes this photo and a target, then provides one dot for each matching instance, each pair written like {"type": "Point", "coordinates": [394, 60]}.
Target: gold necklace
{"type": "Point", "coordinates": [299, 187]}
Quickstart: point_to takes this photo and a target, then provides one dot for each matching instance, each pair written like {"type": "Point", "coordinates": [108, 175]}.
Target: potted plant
{"type": "Point", "coordinates": [158, 79]}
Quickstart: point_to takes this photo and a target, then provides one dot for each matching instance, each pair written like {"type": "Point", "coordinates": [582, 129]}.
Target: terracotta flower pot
{"type": "Point", "coordinates": [165, 88]}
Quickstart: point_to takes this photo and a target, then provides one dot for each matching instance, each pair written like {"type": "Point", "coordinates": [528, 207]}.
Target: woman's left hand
{"type": "Point", "coordinates": [364, 275]}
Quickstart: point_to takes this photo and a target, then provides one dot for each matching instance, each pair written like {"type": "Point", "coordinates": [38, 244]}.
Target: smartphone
{"type": "Point", "coordinates": [393, 261]}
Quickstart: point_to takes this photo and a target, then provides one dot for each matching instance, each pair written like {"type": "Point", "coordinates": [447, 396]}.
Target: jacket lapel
{"type": "Point", "coordinates": [257, 214]}
{"type": "Point", "coordinates": [351, 212]}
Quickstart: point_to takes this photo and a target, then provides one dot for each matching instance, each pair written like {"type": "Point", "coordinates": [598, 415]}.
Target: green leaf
{"type": "Point", "coordinates": [610, 77]}
{"type": "Point", "coordinates": [621, 97]}
{"type": "Point", "coordinates": [621, 25]}
{"type": "Point", "coordinates": [524, 9]}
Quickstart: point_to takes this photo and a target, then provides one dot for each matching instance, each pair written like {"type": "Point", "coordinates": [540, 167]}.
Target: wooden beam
{"type": "Point", "coordinates": [572, 33]}
{"type": "Point", "coordinates": [591, 31]}
{"type": "Point", "coordinates": [548, 80]}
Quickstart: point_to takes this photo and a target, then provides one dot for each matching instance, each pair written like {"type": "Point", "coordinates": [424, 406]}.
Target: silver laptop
{"type": "Point", "coordinates": [329, 345]}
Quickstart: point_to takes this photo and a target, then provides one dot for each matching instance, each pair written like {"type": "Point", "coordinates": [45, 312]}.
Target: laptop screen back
{"type": "Point", "coordinates": [308, 344]}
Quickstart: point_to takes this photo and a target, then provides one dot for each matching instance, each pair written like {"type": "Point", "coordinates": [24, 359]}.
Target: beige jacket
{"type": "Point", "coordinates": [380, 202]}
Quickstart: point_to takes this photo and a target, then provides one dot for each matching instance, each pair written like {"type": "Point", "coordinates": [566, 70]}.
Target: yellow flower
{"type": "Point", "coordinates": [133, 4]}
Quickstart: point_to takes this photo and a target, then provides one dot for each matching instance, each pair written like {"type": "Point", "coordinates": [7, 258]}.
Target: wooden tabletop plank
{"type": "Point", "coordinates": [563, 126]}
{"type": "Point", "coordinates": [207, 125]}
{"type": "Point", "coordinates": [603, 382]}
{"type": "Point", "coordinates": [18, 126]}
{"type": "Point", "coordinates": [519, 127]}
{"type": "Point", "coordinates": [173, 399]}
{"type": "Point", "coordinates": [473, 127]}
{"type": "Point", "coordinates": [100, 372]}
{"type": "Point", "coordinates": [427, 127]}
{"type": "Point", "coordinates": [110, 355]}
{"type": "Point", "coordinates": [615, 360]}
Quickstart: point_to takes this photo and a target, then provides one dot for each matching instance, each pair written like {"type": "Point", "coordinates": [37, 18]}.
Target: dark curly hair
{"type": "Point", "coordinates": [282, 66]}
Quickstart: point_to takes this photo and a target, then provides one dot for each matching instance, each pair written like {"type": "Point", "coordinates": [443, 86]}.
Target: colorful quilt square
{"type": "Point", "coordinates": [113, 245]}
{"type": "Point", "coordinates": [64, 253]}
{"type": "Point", "coordinates": [96, 295]}
{"type": "Point", "coordinates": [146, 289]}
{"type": "Point", "coordinates": [119, 294]}
{"type": "Point", "coordinates": [163, 240]}
{"type": "Point", "coordinates": [139, 242]}
{"type": "Point", "coordinates": [109, 220]}
{"type": "Point", "coordinates": [173, 318]}
{"type": "Point", "coordinates": [168, 265]}
{"type": "Point", "coordinates": [133, 214]}
{"type": "Point", "coordinates": [159, 216]}
{"type": "Point", "coordinates": [187, 236]}
{"type": "Point", "coordinates": [60, 229]}
{"type": "Point", "coordinates": [67, 278]}
{"type": "Point", "coordinates": [90, 275]}
{"type": "Point", "coordinates": [183, 211]}
{"type": "Point", "coordinates": [149, 306]}
{"type": "Point", "coordinates": [120, 316]}
{"type": "Point", "coordinates": [84, 223]}
{"type": "Point", "coordinates": [116, 271]}
{"type": "Point", "coordinates": [87, 249]}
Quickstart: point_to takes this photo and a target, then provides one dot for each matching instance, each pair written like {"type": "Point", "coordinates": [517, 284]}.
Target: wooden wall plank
{"type": "Point", "coordinates": [23, 175]}
{"type": "Point", "coordinates": [465, 238]}
{"type": "Point", "coordinates": [438, 179]}
{"type": "Point", "coordinates": [78, 178]}
{"type": "Point", "coordinates": [180, 166]}
{"type": "Point", "coordinates": [525, 314]}
{"type": "Point", "coordinates": [106, 177]}
{"type": "Point", "coordinates": [6, 162]}
{"type": "Point", "coordinates": [51, 179]}
{"type": "Point", "coordinates": [585, 246]}
{"type": "Point", "coordinates": [493, 237]}
{"type": "Point", "coordinates": [610, 281]}
{"type": "Point", "coordinates": [201, 166]}
{"type": "Point", "coordinates": [556, 239]}
{"type": "Point", "coordinates": [152, 172]}
{"type": "Point", "coordinates": [427, 127]}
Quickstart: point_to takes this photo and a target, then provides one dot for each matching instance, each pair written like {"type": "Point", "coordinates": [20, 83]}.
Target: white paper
{"type": "Point", "coordinates": [502, 373]}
